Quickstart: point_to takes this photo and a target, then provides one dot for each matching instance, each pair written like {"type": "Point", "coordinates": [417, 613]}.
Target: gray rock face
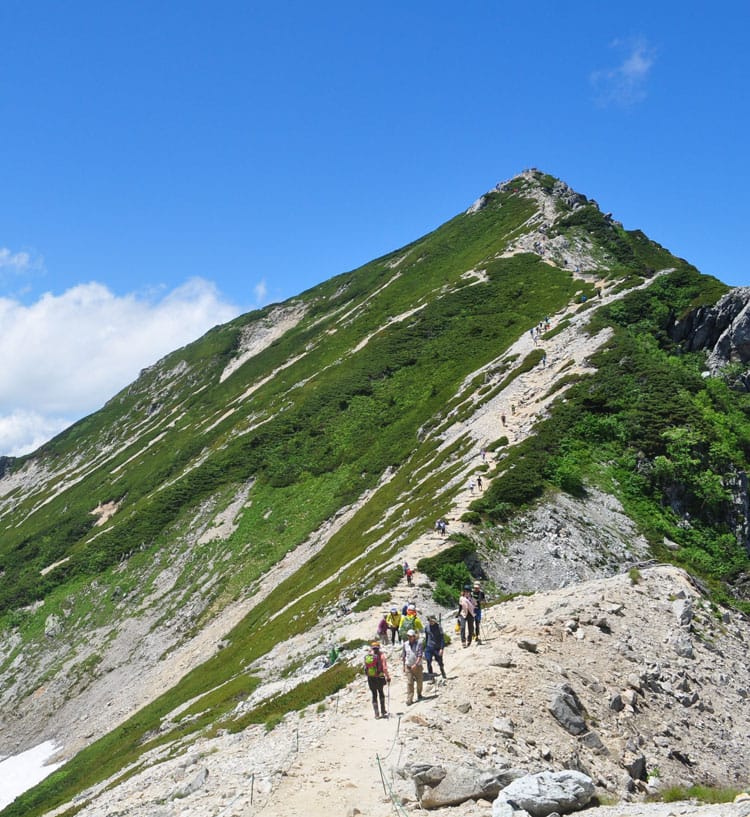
{"type": "Point", "coordinates": [196, 782]}
{"type": "Point", "coordinates": [53, 626]}
{"type": "Point", "coordinates": [567, 710]}
{"type": "Point", "coordinates": [723, 329]}
{"type": "Point", "coordinates": [682, 645]}
{"type": "Point", "coordinates": [547, 792]}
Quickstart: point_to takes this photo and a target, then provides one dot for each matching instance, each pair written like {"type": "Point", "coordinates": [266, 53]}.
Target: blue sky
{"type": "Point", "coordinates": [166, 166]}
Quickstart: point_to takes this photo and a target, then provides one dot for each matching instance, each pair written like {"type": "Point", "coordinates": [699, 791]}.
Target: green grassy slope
{"type": "Point", "coordinates": [350, 401]}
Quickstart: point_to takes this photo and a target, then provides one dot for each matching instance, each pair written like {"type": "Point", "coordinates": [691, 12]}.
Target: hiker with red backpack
{"type": "Point", "coordinates": [376, 670]}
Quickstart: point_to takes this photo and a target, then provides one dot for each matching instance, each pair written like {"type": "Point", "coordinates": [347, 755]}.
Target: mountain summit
{"type": "Point", "coordinates": [189, 576]}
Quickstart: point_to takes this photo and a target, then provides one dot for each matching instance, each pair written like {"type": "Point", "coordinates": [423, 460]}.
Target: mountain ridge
{"type": "Point", "coordinates": [258, 444]}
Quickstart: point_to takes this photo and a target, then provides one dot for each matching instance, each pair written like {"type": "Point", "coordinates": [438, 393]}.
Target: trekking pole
{"type": "Point", "coordinates": [252, 787]}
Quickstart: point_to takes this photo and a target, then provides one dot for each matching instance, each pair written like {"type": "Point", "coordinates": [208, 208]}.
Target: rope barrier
{"type": "Point", "coordinates": [395, 738]}
{"type": "Point", "coordinates": [398, 808]}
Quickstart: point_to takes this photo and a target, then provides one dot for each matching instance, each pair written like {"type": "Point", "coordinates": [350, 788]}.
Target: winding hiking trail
{"type": "Point", "coordinates": [524, 401]}
{"type": "Point", "coordinates": [336, 760]}
{"type": "Point", "coordinates": [341, 772]}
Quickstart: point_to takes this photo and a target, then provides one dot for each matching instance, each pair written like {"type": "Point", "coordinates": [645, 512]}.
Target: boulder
{"type": "Point", "coordinates": [683, 645]}
{"type": "Point", "coordinates": [683, 610]}
{"type": "Point", "coordinates": [197, 781]}
{"type": "Point", "coordinates": [504, 727]}
{"type": "Point", "coordinates": [547, 792]}
{"type": "Point", "coordinates": [567, 710]}
{"type": "Point", "coordinates": [462, 783]}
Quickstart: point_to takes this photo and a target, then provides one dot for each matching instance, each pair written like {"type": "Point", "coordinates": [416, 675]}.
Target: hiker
{"type": "Point", "coordinates": [409, 574]}
{"type": "Point", "coordinates": [411, 621]}
{"type": "Point", "coordinates": [393, 620]}
{"type": "Point", "coordinates": [471, 485]}
{"type": "Point", "coordinates": [483, 454]}
{"type": "Point", "coordinates": [479, 598]}
{"type": "Point", "coordinates": [382, 631]}
{"type": "Point", "coordinates": [512, 408]}
{"type": "Point", "coordinates": [441, 525]}
{"type": "Point", "coordinates": [434, 644]}
{"type": "Point", "coordinates": [412, 654]}
{"type": "Point", "coordinates": [479, 481]}
{"type": "Point", "coordinates": [376, 670]}
{"type": "Point", "coordinates": [502, 419]}
{"type": "Point", "coordinates": [466, 616]}
{"type": "Point", "coordinates": [405, 567]}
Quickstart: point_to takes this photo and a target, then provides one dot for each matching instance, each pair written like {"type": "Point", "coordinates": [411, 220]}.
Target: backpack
{"type": "Point", "coordinates": [373, 668]}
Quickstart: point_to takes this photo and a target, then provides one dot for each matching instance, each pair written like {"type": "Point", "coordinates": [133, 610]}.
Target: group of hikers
{"type": "Point", "coordinates": [419, 643]}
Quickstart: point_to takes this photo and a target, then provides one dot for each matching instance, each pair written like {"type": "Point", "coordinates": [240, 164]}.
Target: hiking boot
{"type": "Point", "coordinates": [420, 697]}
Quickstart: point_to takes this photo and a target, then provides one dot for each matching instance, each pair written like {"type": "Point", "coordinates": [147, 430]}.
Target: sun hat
{"type": "Point", "coordinates": [375, 645]}
{"type": "Point", "coordinates": [394, 609]}
{"type": "Point", "coordinates": [411, 632]}
{"type": "Point", "coordinates": [432, 617]}
{"type": "Point", "coordinates": [410, 607]}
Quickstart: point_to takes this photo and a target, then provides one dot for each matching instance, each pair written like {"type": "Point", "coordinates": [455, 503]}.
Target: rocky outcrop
{"type": "Point", "coordinates": [723, 330]}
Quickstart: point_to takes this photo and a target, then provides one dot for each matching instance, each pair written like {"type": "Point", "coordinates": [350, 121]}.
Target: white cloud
{"type": "Point", "coordinates": [65, 355]}
{"type": "Point", "coordinates": [18, 260]}
{"type": "Point", "coordinates": [625, 84]}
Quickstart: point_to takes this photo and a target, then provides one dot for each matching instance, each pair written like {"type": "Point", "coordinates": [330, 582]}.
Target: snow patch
{"type": "Point", "coordinates": [19, 773]}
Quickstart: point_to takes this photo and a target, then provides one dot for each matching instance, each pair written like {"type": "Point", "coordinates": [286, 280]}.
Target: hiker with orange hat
{"type": "Point", "coordinates": [376, 670]}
